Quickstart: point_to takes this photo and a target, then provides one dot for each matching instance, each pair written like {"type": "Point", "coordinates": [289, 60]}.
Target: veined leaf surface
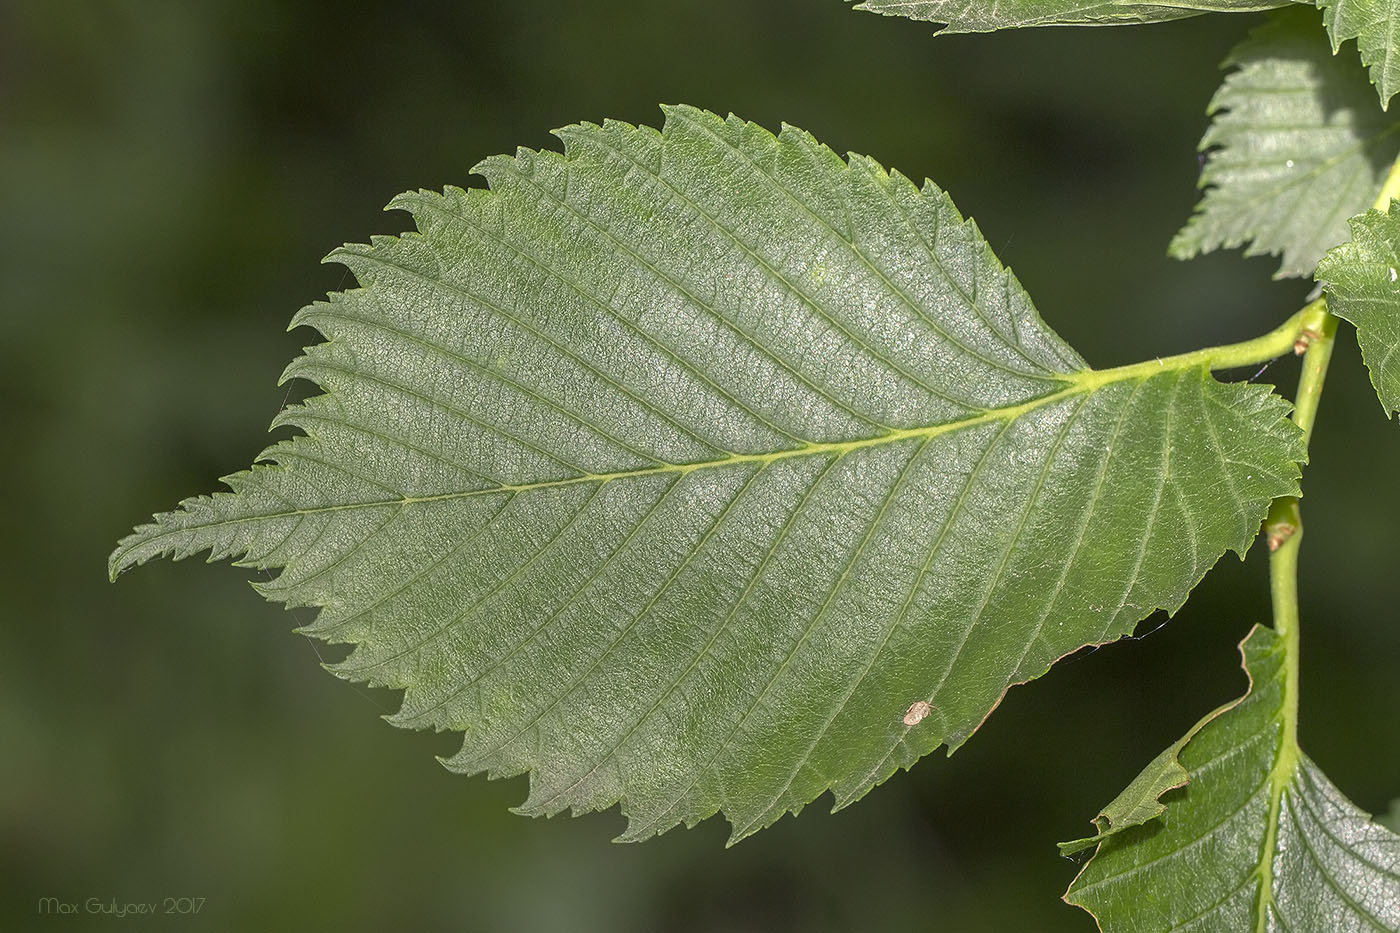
{"type": "Point", "coordinates": [1297, 145]}
{"type": "Point", "coordinates": [705, 470]}
{"type": "Point", "coordinates": [1373, 24]}
{"type": "Point", "coordinates": [1363, 287]}
{"type": "Point", "coordinates": [1259, 839]}
{"type": "Point", "coordinates": [959, 16]}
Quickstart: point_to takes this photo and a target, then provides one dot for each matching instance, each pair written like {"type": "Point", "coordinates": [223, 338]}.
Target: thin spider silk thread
{"type": "Point", "coordinates": [1264, 368]}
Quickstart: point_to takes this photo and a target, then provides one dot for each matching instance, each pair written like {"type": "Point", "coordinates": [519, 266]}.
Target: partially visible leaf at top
{"type": "Point", "coordinates": [1375, 25]}
{"type": "Point", "coordinates": [705, 470]}
{"type": "Point", "coordinates": [1363, 287]}
{"type": "Point", "coordinates": [960, 16]}
{"type": "Point", "coordinates": [1297, 145]}
{"type": "Point", "coordinates": [1258, 839]}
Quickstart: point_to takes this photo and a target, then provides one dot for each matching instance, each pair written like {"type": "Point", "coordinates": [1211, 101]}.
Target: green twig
{"type": "Point", "coordinates": [1318, 338]}
{"type": "Point", "coordinates": [1290, 335]}
{"type": "Point", "coordinates": [1284, 531]}
{"type": "Point", "coordinates": [1318, 330]}
{"type": "Point", "coordinates": [1389, 190]}
{"type": "Point", "coordinates": [1284, 525]}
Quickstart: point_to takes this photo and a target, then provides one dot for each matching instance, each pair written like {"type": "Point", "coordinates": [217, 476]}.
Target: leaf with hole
{"type": "Point", "coordinates": [1258, 839]}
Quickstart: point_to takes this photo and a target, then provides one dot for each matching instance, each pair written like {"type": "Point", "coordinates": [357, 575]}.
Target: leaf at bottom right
{"type": "Point", "coordinates": [1258, 839]}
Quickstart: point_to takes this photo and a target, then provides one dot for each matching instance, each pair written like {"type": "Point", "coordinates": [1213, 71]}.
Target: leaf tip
{"type": "Point", "coordinates": [127, 554]}
{"type": "Point", "coordinates": [115, 565]}
{"type": "Point", "coordinates": [1074, 846]}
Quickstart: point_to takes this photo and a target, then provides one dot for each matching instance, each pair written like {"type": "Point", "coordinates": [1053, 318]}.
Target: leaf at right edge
{"type": "Point", "coordinates": [1297, 145]}
{"type": "Point", "coordinates": [961, 16]}
{"type": "Point", "coordinates": [1363, 287]}
{"type": "Point", "coordinates": [1374, 25]}
{"type": "Point", "coordinates": [1202, 863]}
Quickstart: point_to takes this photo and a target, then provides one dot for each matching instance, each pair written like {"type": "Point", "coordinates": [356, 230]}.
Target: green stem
{"type": "Point", "coordinates": [1281, 340]}
{"type": "Point", "coordinates": [1285, 534]}
{"type": "Point", "coordinates": [1284, 525]}
{"type": "Point", "coordinates": [1284, 530]}
{"type": "Point", "coordinates": [1391, 188]}
{"type": "Point", "coordinates": [1320, 337]}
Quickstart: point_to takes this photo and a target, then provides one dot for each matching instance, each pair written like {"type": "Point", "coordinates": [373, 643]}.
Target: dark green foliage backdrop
{"type": "Point", "coordinates": [170, 173]}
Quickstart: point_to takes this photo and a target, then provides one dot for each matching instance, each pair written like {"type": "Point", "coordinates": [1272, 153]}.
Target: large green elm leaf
{"type": "Point", "coordinates": [1375, 25]}
{"type": "Point", "coordinates": [1258, 840]}
{"type": "Point", "coordinates": [961, 16]}
{"type": "Point", "coordinates": [1296, 147]}
{"type": "Point", "coordinates": [704, 470]}
{"type": "Point", "coordinates": [1361, 278]}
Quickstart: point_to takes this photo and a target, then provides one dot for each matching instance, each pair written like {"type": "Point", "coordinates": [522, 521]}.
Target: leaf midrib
{"type": "Point", "coordinates": [1080, 382]}
{"type": "Point", "coordinates": [1085, 381]}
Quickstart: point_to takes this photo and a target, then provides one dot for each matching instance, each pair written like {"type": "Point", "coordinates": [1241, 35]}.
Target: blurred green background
{"type": "Point", "coordinates": [170, 175]}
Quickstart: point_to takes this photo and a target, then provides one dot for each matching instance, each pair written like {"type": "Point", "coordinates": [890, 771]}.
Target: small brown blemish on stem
{"type": "Point", "coordinates": [1305, 339]}
{"type": "Point", "coordinates": [916, 713]}
{"type": "Point", "coordinates": [1280, 533]}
